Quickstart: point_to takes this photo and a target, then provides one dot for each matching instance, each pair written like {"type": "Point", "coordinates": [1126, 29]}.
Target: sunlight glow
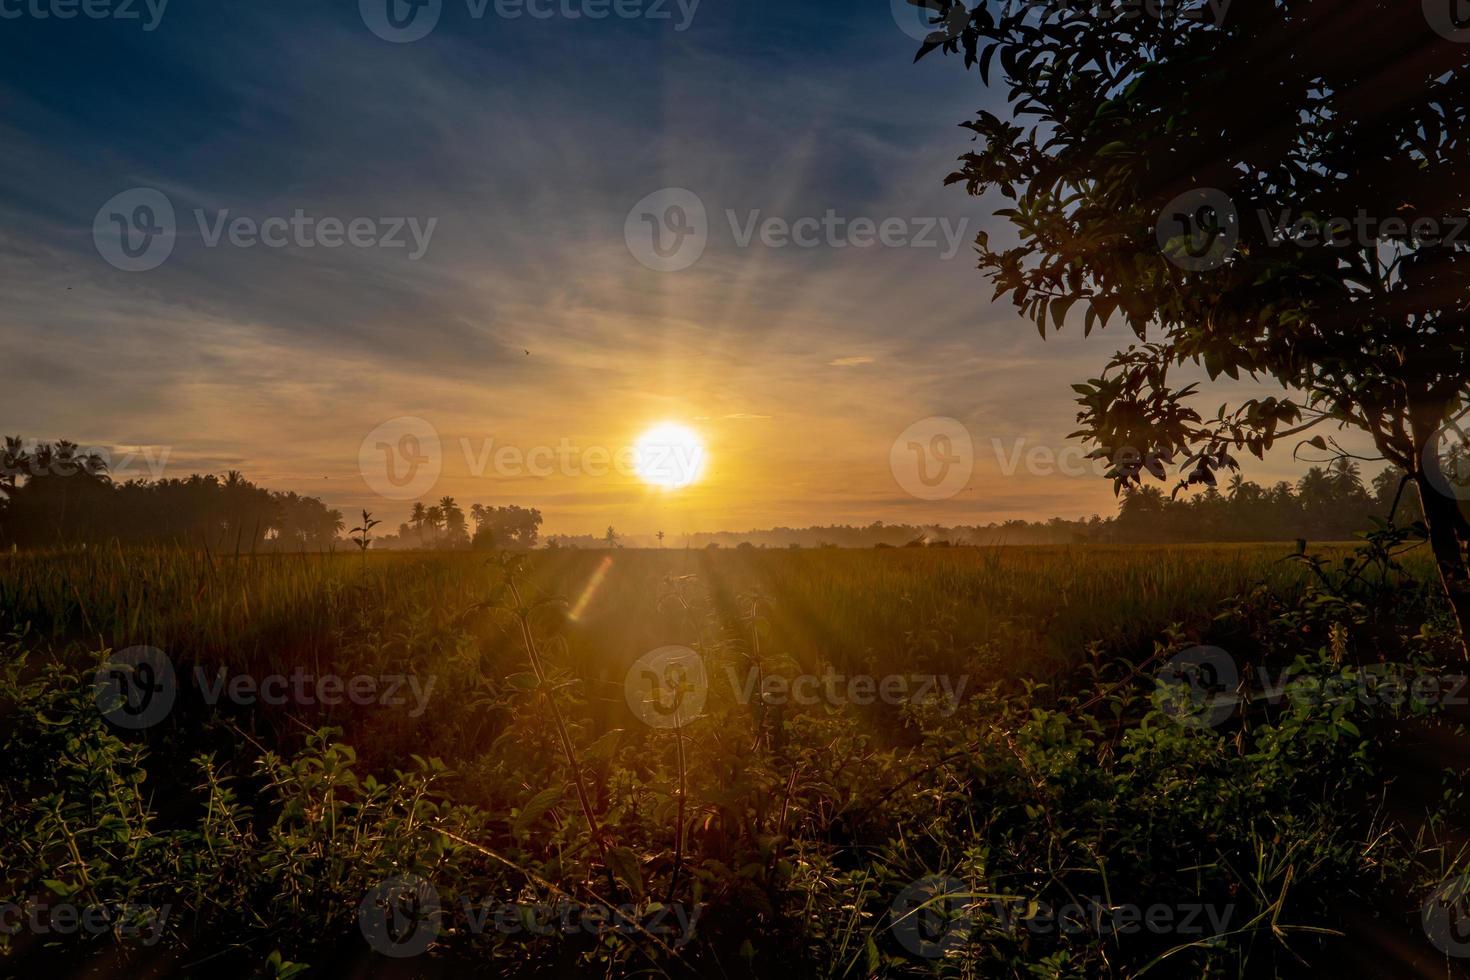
{"type": "Point", "coordinates": [669, 455]}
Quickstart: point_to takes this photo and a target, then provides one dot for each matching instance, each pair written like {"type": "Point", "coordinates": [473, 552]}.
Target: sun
{"type": "Point", "coordinates": [669, 455]}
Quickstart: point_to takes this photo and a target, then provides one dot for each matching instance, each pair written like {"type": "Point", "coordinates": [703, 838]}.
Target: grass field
{"type": "Point", "coordinates": [993, 614]}
{"type": "Point", "coordinates": [1019, 756]}
{"type": "Point", "coordinates": [1038, 606]}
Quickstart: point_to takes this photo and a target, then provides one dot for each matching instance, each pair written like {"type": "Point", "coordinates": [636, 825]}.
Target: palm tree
{"type": "Point", "coordinates": [1316, 488]}
{"type": "Point", "coordinates": [1347, 477]}
{"type": "Point", "coordinates": [454, 524]}
{"type": "Point", "coordinates": [417, 517]}
{"type": "Point", "coordinates": [660, 536]}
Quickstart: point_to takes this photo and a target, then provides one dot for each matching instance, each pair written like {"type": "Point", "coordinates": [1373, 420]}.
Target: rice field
{"type": "Point", "coordinates": [517, 770]}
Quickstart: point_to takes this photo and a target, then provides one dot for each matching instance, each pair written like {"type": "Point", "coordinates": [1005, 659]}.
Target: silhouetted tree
{"type": "Point", "coordinates": [55, 495]}
{"type": "Point", "coordinates": [1204, 136]}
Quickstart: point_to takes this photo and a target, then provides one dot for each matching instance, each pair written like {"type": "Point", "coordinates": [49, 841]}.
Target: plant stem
{"type": "Point", "coordinates": [568, 749]}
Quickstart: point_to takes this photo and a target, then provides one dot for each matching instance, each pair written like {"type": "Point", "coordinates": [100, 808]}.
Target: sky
{"type": "Point", "coordinates": [279, 238]}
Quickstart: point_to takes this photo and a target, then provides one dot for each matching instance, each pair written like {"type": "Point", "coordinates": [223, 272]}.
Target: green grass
{"type": "Point", "coordinates": [1041, 605]}
{"type": "Point", "coordinates": [792, 828]}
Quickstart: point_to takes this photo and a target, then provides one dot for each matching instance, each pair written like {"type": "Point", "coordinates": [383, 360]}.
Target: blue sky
{"type": "Point", "coordinates": [523, 143]}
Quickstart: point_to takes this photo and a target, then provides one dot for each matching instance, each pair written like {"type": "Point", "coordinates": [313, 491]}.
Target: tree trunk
{"type": "Point", "coordinates": [1446, 523]}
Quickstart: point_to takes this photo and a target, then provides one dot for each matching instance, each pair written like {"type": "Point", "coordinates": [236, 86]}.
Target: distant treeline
{"type": "Point", "coordinates": [1328, 503]}
{"type": "Point", "coordinates": [55, 494]}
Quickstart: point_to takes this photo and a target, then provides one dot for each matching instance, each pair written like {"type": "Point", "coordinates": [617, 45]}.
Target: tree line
{"type": "Point", "coordinates": [443, 526]}
{"type": "Point", "coordinates": [1329, 503]}
{"type": "Point", "coordinates": [57, 495]}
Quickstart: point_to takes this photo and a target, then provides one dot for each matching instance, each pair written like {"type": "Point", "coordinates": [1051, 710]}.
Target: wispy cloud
{"type": "Point", "coordinates": [278, 361]}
